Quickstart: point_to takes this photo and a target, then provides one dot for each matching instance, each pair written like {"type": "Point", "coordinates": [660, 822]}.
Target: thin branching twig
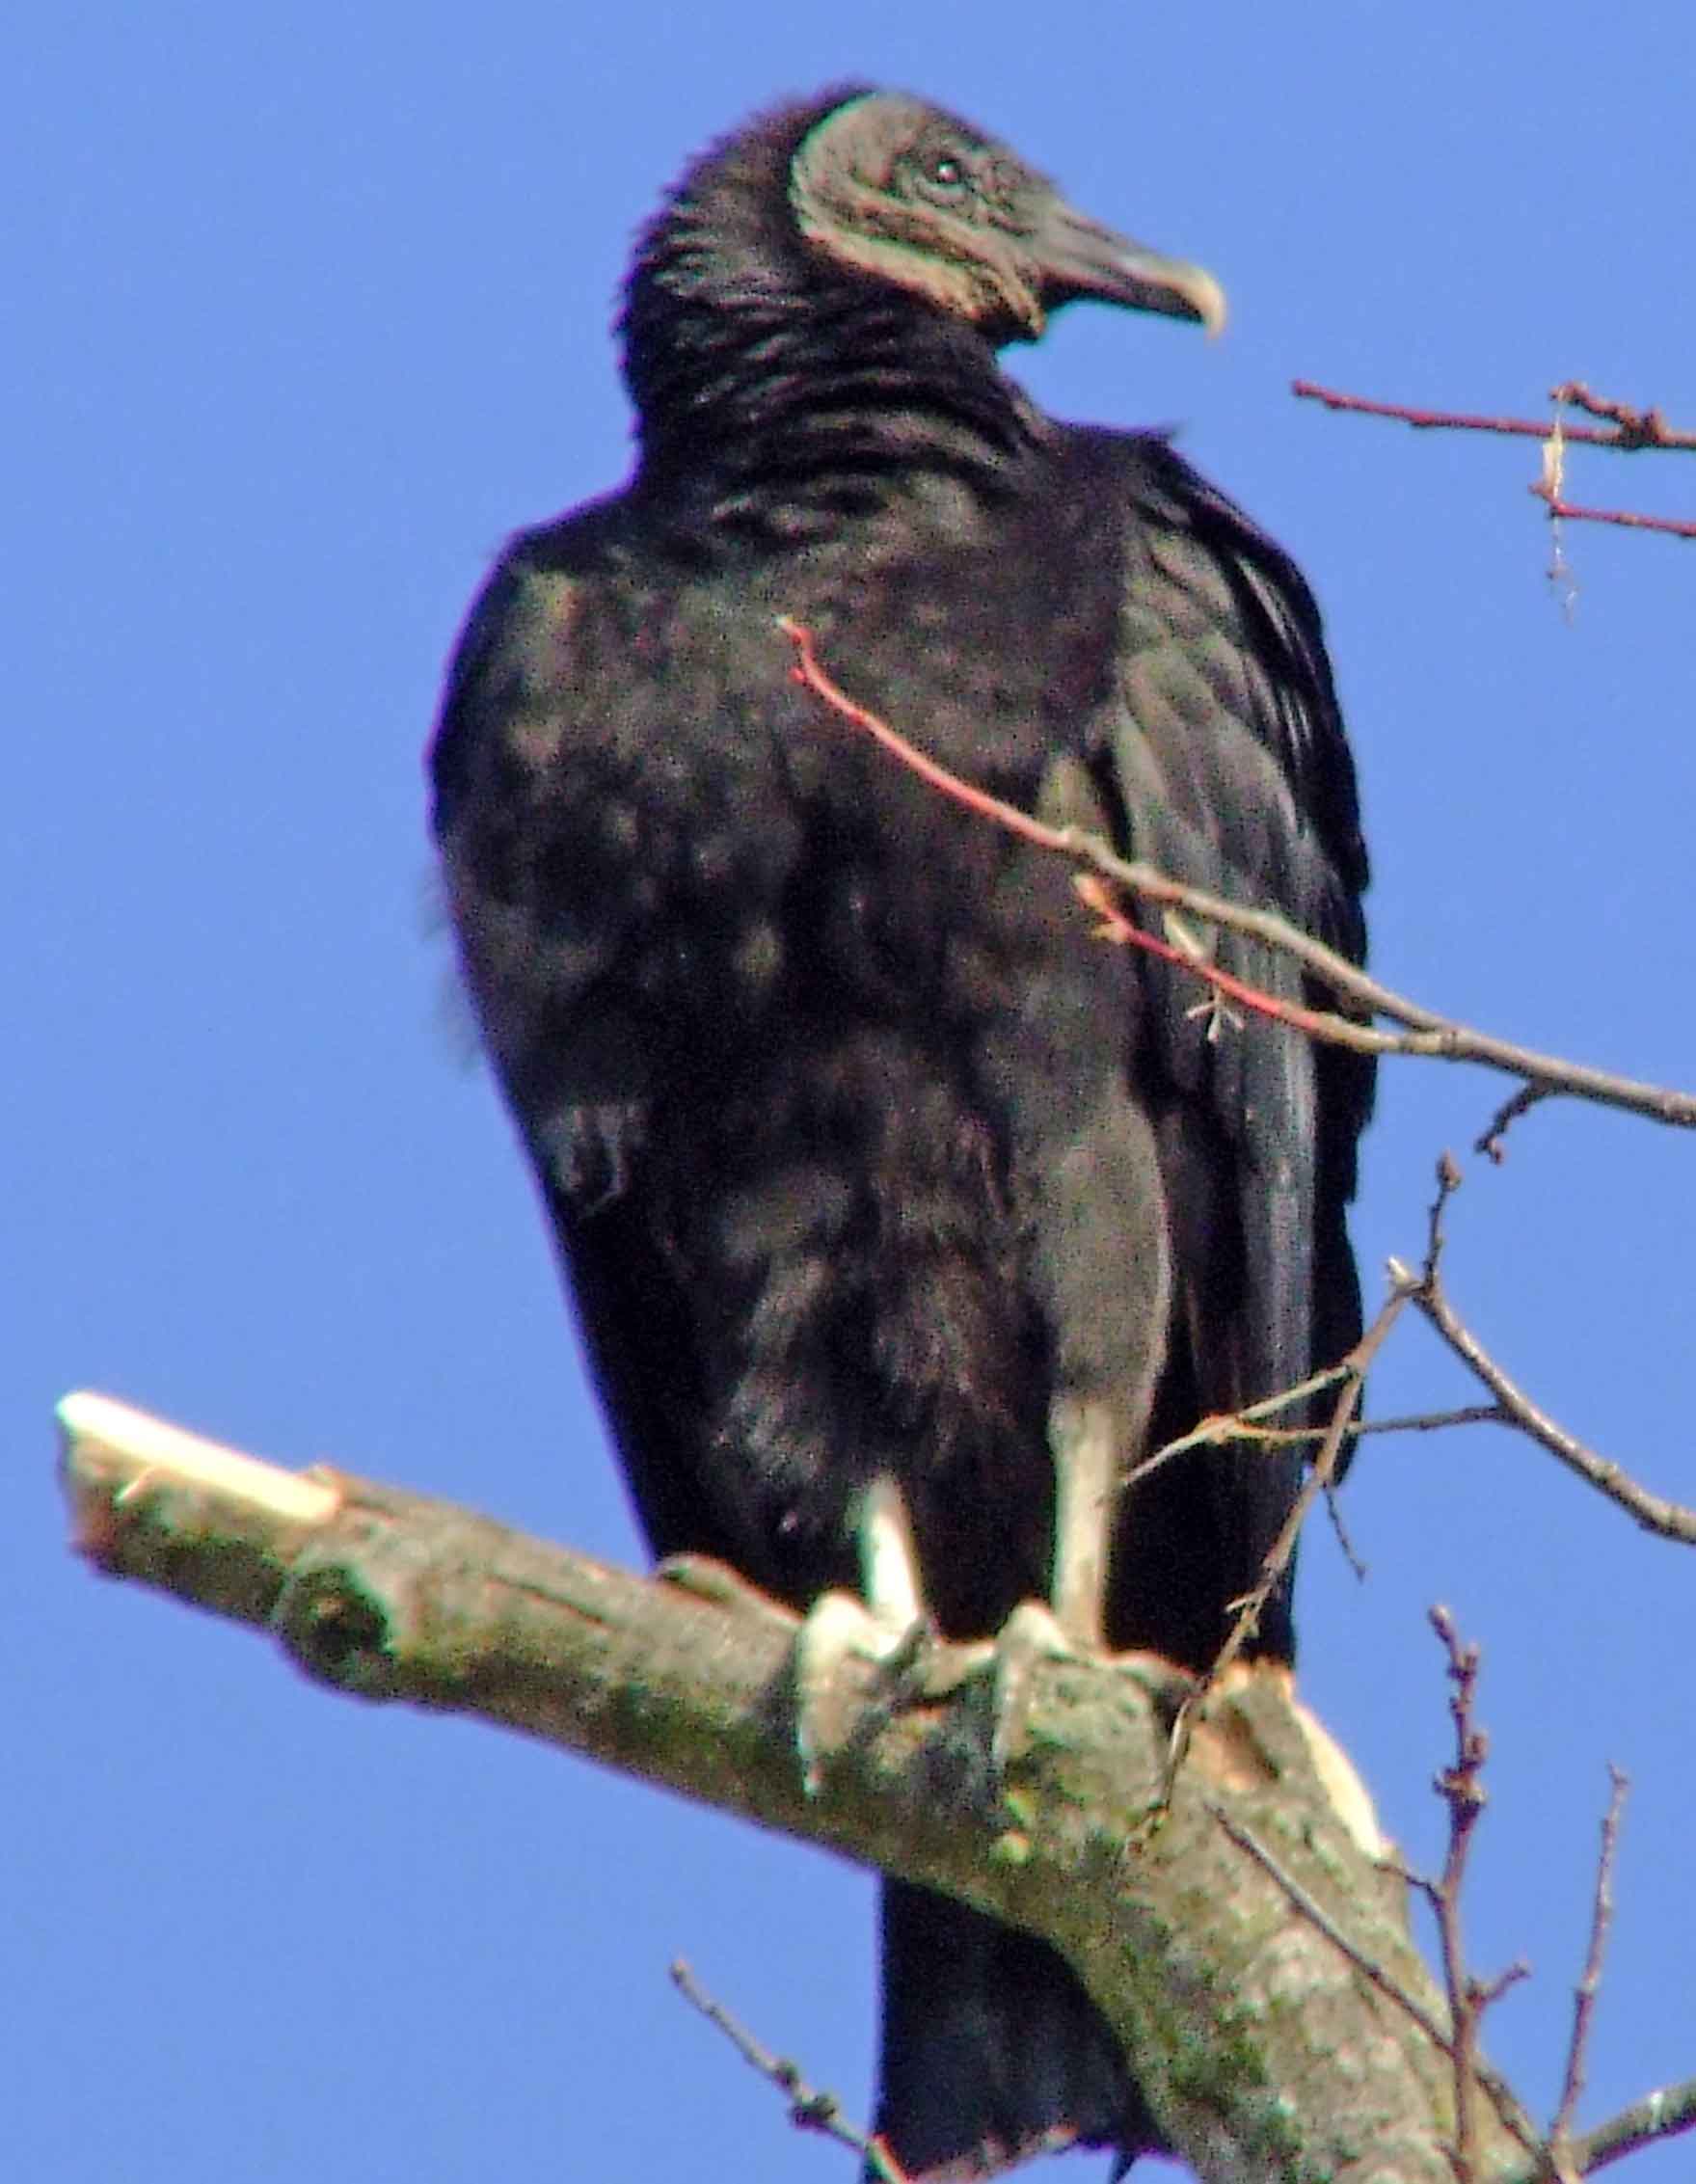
{"type": "Point", "coordinates": [1666, 1519]}
{"type": "Point", "coordinates": [1246, 1613]}
{"type": "Point", "coordinates": [1628, 431]}
{"type": "Point", "coordinates": [1461, 1786]}
{"type": "Point", "coordinates": [809, 2109]}
{"type": "Point", "coordinates": [1561, 2151]}
{"type": "Point", "coordinates": [1303, 1903]}
{"type": "Point", "coordinates": [1631, 430]}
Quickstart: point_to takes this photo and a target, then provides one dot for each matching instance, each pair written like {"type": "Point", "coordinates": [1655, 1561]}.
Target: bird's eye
{"type": "Point", "coordinates": [946, 171]}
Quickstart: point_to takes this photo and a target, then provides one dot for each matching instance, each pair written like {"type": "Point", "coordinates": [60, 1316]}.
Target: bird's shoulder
{"type": "Point", "coordinates": [1224, 715]}
{"type": "Point", "coordinates": [545, 615]}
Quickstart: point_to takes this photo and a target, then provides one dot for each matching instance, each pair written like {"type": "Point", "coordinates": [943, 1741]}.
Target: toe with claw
{"type": "Point", "coordinates": [838, 1628]}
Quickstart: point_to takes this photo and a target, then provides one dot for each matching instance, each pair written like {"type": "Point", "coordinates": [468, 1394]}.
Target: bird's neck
{"type": "Point", "coordinates": [756, 364]}
{"type": "Point", "coordinates": [812, 399]}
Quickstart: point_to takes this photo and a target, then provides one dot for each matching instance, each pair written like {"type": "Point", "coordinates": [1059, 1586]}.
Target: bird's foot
{"type": "Point", "coordinates": [1032, 1634]}
{"type": "Point", "coordinates": [838, 1627]}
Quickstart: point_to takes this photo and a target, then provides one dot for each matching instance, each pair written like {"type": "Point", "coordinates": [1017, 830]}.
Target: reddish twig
{"type": "Point", "coordinates": [809, 2109]}
{"type": "Point", "coordinates": [1628, 519]}
{"type": "Point", "coordinates": [1632, 430]}
{"type": "Point", "coordinates": [1626, 430]}
{"type": "Point", "coordinates": [1188, 956]}
{"type": "Point", "coordinates": [1637, 428]}
{"type": "Point", "coordinates": [1424, 1032]}
{"type": "Point", "coordinates": [1430, 1034]}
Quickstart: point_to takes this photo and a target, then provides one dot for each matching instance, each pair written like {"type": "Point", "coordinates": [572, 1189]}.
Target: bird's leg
{"type": "Point", "coordinates": [888, 1625]}
{"type": "Point", "coordinates": [1088, 1467]}
{"type": "Point", "coordinates": [1086, 1488]}
{"type": "Point", "coordinates": [1085, 1464]}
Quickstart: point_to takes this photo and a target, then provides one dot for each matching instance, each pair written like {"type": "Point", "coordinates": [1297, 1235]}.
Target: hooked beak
{"type": "Point", "coordinates": [1082, 261]}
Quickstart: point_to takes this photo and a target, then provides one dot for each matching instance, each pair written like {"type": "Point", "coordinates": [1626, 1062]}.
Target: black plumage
{"type": "Point", "coordinates": [890, 1196]}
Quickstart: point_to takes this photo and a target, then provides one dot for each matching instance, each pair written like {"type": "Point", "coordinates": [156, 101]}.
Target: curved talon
{"type": "Point", "coordinates": [1030, 1634]}
{"type": "Point", "coordinates": [836, 1627]}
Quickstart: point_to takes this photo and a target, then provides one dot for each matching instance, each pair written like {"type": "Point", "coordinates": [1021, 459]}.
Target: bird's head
{"type": "Point", "coordinates": [910, 195]}
{"type": "Point", "coordinates": [842, 229]}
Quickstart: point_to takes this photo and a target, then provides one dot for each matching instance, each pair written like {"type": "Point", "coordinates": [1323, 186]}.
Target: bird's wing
{"type": "Point", "coordinates": [1223, 762]}
{"type": "Point", "coordinates": [547, 900]}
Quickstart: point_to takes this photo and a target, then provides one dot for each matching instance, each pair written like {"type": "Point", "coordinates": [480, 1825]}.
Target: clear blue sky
{"type": "Point", "coordinates": [309, 308]}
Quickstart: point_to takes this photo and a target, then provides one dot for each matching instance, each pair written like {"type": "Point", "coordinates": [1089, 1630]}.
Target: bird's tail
{"type": "Point", "coordinates": [991, 2050]}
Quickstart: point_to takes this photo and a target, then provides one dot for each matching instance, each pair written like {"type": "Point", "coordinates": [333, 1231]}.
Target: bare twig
{"type": "Point", "coordinates": [1667, 2113]}
{"type": "Point", "coordinates": [1637, 428]}
{"type": "Point", "coordinates": [1435, 1422]}
{"type": "Point", "coordinates": [809, 2109]}
{"type": "Point", "coordinates": [1188, 956]}
{"type": "Point", "coordinates": [1634, 430]}
{"type": "Point", "coordinates": [1625, 519]}
{"type": "Point", "coordinates": [1448, 1182]}
{"type": "Point", "coordinates": [1304, 1904]}
{"type": "Point", "coordinates": [1631, 432]}
{"type": "Point", "coordinates": [1463, 1792]}
{"type": "Point", "coordinates": [1507, 2104]}
{"type": "Point", "coordinates": [1490, 1140]}
{"type": "Point", "coordinates": [1512, 1406]}
{"type": "Point", "coordinates": [1319, 1477]}
{"type": "Point", "coordinates": [1667, 1520]}
{"type": "Point", "coordinates": [1424, 1032]}
{"type": "Point", "coordinates": [1461, 1786]}
{"type": "Point", "coordinates": [1352, 1372]}
{"type": "Point", "coordinates": [1562, 2154]}
{"type": "Point", "coordinates": [1244, 1424]}
{"type": "Point", "coordinates": [1234, 1426]}
{"type": "Point", "coordinates": [1340, 1533]}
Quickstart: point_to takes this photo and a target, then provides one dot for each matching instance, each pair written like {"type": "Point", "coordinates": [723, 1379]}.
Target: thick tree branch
{"type": "Point", "coordinates": [1266, 2052]}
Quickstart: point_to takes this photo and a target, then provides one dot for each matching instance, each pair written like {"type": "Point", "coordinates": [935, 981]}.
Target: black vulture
{"type": "Point", "coordinates": [902, 1215]}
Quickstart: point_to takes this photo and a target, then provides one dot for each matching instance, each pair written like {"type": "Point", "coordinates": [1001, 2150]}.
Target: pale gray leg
{"type": "Point", "coordinates": [1109, 1292]}
{"type": "Point", "coordinates": [874, 1628]}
